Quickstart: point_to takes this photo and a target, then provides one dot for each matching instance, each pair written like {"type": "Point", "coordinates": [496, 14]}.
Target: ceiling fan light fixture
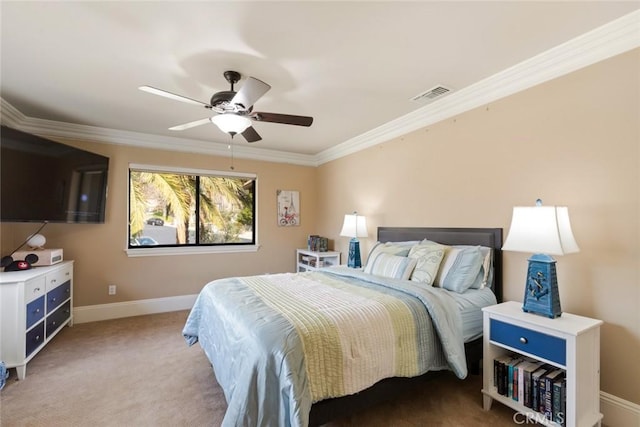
{"type": "Point", "coordinates": [231, 123]}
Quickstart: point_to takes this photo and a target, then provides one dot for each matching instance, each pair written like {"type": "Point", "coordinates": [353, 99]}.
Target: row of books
{"type": "Point", "coordinates": [534, 384]}
{"type": "Point", "coordinates": [312, 261]}
{"type": "Point", "coordinates": [317, 243]}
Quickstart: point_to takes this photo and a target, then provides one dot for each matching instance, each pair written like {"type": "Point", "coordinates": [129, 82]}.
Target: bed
{"type": "Point", "coordinates": [304, 348]}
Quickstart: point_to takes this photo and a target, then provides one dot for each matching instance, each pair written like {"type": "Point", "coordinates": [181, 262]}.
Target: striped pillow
{"type": "Point", "coordinates": [393, 248]}
{"type": "Point", "coordinates": [392, 266]}
{"type": "Point", "coordinates": [459, 269]}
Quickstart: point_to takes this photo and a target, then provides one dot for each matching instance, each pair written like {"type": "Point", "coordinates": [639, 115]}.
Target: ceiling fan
{"type": "Point", "coordinates": [235, 109]}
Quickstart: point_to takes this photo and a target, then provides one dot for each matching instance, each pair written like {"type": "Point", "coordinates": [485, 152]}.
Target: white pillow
{"type": "Point", "coordinates": [428, 257]}
{"type": "Point", "coordinates": [392, 266]}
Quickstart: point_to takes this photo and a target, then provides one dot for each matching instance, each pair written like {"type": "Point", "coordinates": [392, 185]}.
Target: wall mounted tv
{"type": "Point", "coordinates": [43, 180]}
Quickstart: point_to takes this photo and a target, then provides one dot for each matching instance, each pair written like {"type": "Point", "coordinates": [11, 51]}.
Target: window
{"type": "Point", "coordinates": [178, 208]}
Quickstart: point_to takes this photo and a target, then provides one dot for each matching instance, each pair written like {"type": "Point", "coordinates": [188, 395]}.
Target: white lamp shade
{"type": "Point", "coordinates": [354, 226]}
{"type": "Point", "coordinates": [231, 123]}
{"type": "Point", "coordinates": [541, 229]}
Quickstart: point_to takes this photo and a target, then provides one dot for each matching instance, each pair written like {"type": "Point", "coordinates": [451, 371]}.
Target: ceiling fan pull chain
{"type": "Point", "coordinates": [231, 147]}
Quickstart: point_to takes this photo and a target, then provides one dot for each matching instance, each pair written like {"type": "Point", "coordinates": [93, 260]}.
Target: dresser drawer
{"type": "Point", "coordinates": [34, 339]}
{"type": "Point", "coordinates": [56, 319]}
{"type": "Point", "coordinates": [35, 311]}
{"type": "Point", "coordinates": [58, 277]}
{"type": "Point", "coordinates": [533, 342]}
{"type": "Point", "coordinates": [58, 295]}
{"type": "Point", "coordinates": [34, 288]}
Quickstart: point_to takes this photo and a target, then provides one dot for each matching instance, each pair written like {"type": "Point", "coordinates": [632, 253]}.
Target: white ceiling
{"type": "Point", "coordinates": [353, 66]}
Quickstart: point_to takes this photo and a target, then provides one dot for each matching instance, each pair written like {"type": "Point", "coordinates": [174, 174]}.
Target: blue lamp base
{"type": "Point", "coordinates": [541, 294]}
{"type": "Point", "coordinates": [354, 260]}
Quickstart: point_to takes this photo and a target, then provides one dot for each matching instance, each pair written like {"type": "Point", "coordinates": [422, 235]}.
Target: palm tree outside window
{"type": "Point", "coordinates": [174, 208]}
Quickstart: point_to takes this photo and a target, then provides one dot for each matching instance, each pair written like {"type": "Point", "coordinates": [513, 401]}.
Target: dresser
{"type": "Point", "coordinates": [568, 345]}
{"type": "Point", "coordinates": [34, 305]}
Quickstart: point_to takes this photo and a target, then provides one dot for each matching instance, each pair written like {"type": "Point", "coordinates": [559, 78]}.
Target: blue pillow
{"type": "Point", "coordinates": [485, 276]}
{"type": "Point", "coordinates": [460, 268]}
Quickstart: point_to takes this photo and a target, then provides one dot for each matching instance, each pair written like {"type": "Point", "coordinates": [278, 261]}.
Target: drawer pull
{"type": "Point", "coordinates": [37, 337]}
{"type": "Point", "coordinates": [523, 340]}
{"type": "Point", "coordinates": [36, 290]}
{"type": "Point", "coordinates": [37, 310]}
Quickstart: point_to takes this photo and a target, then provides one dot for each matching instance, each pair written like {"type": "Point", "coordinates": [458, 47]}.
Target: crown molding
{"type": "Point", "coordinates": [611, 39]}
{"type": "Point", "coordinates": [54, 129]}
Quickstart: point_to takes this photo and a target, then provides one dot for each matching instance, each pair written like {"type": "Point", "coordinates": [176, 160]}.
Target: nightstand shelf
{"type": "Point", "coordinates": [569, 342]}
{"type": "Point", "coordinates": [307, 260]}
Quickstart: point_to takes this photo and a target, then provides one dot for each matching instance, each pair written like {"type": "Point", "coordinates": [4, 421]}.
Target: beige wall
{"type": "Point", "coordinates": [573, 141]}
{"type": "Point", "coordinates": [99, 250]}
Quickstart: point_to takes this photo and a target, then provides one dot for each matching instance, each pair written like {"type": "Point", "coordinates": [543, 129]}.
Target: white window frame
{"type": "Point", "coordinates": [191, 250]}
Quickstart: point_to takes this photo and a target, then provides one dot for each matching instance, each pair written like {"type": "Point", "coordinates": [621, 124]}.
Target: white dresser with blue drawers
{"type": "Point", "coordinates": [570, 343]}
{"type": "Point", "coordinates": [34, 305]}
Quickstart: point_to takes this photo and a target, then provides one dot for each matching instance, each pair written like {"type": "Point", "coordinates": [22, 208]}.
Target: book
{"type": "Point", "coordinates": [549, 379]}
{"type": "Point", "coordinates": [524, 379]}
{"type": "Point", "coordinates": [560, 401]}
{"type": "Point", "coordinates": [517, 376]}
{"type": "Point", "coordinates": [513, 377]}
{"type": "Point", "coordinates": [317, 243]}
{"type": "Point", "coordinates": [500, 373]}
{"type": "Point", "coordinates": [535, 385]}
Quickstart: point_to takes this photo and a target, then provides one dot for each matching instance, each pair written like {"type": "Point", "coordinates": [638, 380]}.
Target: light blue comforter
{"type": "Point", "coordinates": [258, 354]}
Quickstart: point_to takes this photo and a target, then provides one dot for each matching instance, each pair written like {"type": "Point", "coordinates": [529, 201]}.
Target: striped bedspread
{"type": "Point", "coordinates": [280, 342]}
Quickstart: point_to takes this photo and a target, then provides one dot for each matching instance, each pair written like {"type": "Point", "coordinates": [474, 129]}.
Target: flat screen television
{"type": "Point", "coordinates": [43, 180]}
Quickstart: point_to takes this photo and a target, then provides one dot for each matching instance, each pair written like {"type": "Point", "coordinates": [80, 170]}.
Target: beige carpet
{"type": "Point", "coordinates": [139, 372]}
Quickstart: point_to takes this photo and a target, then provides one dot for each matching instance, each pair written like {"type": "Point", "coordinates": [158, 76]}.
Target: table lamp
{"type": "Point", "coordinates": [543, 231]}
{"type": "Point", "coordinates": [354, 226]}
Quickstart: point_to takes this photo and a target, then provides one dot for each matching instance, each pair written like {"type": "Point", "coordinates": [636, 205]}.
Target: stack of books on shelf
{"type": "Point", "coordinates": [534, 384]}
{"type": "Point", "coordinates": [312, 261]}
{"type": "Point", "coordinates": [317, 243]}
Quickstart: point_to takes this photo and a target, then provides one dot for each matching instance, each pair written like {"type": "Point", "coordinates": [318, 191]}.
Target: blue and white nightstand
{"type": "Point", "coordinates": [568, 342]}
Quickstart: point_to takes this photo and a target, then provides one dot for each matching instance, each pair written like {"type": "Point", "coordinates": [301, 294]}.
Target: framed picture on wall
{"type": "Point", "coordinates": [288, 208]}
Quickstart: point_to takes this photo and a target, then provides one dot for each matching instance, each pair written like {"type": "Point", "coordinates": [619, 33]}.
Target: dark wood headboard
{"type": "Point", "coordinates": [490, 237]}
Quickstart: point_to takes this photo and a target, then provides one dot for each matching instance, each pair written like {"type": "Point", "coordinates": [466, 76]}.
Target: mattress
{"type": "Point", "coordinates": [470, 304]}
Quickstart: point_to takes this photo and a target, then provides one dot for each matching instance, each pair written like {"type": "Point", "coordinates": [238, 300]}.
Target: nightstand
{"type": "Point", "coordinates": [307, 260]}
{"type": "Point", "coordinates": [569, 342]}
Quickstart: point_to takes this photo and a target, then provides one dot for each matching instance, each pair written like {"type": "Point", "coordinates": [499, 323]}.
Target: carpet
{"type": "Point", "coordinates": [138, 371]}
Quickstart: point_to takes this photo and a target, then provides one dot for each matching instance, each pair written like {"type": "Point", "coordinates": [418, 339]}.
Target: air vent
{"type": "Point", "coordinates": [431, 94]}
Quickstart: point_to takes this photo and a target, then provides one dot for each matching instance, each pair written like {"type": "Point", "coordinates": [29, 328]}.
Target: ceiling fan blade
{"type": "Point", "coordinates": [286, 119]}
{"type": "Point", "coordinates": [251, 135]}
{"type": "Point", "coordinates": [173, 96]}
{"type": "Point", "coordinates": [191, 124]}
{"type": "Point", "coordinates": [250, 92]}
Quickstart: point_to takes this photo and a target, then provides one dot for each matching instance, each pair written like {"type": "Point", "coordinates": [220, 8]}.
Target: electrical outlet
{"type": "Point", "coordinates": [112, 289]}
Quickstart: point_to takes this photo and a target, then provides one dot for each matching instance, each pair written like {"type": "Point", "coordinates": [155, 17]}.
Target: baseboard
{"type": "Point", "coordinates": [94, 313]}
{"type": "Point", "coordinates": [618, 412]}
